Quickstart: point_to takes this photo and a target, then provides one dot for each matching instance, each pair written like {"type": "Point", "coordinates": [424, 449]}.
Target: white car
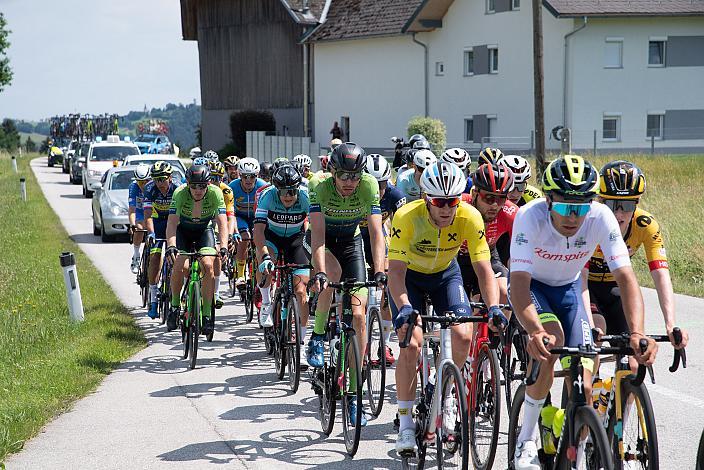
{"type": "Point", "coordinates": [150, 159]}
{"type": "Point", "coordinates": [102, 156]}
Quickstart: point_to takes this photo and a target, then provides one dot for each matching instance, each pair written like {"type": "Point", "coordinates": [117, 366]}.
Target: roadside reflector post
{"type": "Point", "coordinates": [73, 290]}
{"type": "Point", "coordinates": [14, 164]}
{"type": "Point", "coordinates": [23, 188]}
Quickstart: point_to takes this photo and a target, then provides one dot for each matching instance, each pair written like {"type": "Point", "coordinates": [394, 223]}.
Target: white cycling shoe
{"type": "Point", "coordinates": [406, 442]}
{"type": "Point", "coordinates": [265, 317]}
{"type": "Point", "coordinates": [135, 265]}
{"type": "Point", "coordinates": [526, 456]}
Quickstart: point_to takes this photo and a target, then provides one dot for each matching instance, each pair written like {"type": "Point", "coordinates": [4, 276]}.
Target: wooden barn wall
{"type": "Point", "coordinates": [249, 55]}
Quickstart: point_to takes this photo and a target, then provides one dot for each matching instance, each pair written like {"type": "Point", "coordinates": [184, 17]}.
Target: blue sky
{"type": "Point", "coordinates": [96, 56]}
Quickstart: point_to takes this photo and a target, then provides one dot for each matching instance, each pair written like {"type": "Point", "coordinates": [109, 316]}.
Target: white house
{"type": "Point", "coordinates": [617, 73]}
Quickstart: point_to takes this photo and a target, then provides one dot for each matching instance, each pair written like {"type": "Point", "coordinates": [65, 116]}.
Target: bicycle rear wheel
{"type": "Point", "coordinates": [165, 296]}
{"type": "Point", "coordinates": [328, 376]}
{"type": "Point", "coordinates": [515, 422]}
{"type": "Point", "coordinates": [639, 438]}
{"type": "Point", "coordinates": [597, 452]}
{"type": "Point", "coordinates": [375, 369]}
{"type": "Point", "coordinates": [279, 339]}
{"type": "Point", "coordinates": [211, 333]}
{"type": "Point", "coordinates": [352, 372]}
{"type": "Point", "coordinates": [196, 319]}
{"type": "Point", "coordinates": [485, 408]}
{"type": "Point", "coordinates": [452, 437]}
{"type": "Point", "coordinates": [249, 289]}
{"type": "Point", "coordinates": [292, 337]}
{"type": "Point", "coordinates": [143, 275]}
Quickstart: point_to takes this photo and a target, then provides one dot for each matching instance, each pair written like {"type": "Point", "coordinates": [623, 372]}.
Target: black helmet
{"type": "Point", "coordinates": [265, 170]}
{"type": "Point", "coordinates": [286, 177]}
{"type": "Point", "coordinates": [161, 169]}
{"type": "Point", "coordinates": [198, 174]}
{"type": "Point", "coordinates": [415, 138]}
{"type": "Point", "coordinates": [493, 178]}
{"type": "Point", "coordinates": [421, 144]}
{"type": "Point", "coordinates": [348, 157]}
{"type": "Point", "coordinates": [278, 163]}
{"type": "Point", "coordinates": [621, 180]}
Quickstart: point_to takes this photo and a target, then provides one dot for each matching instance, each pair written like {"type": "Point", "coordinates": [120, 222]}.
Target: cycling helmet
{"type": "Point", "coordinates": [324, 159]}
{"type": "Point", "coordinates": [415, 138]}
{"type": "Point", "coordinates": [286, 177]}
{"type": "Point", "coordinates": [378, 167]}
{"type": "Point", "coordinates": [201, 161]}
{"type": "Point", "coordinates": [424, 158]}
{"type": "Point", "coordinates": [194, 153]}
{"type": "Point", "coordinates": [348, 157]}
{"type": "Point", "coordinates": [621, 180]}
{"type": "Point", "coordinates": [496, 178]}
{"type": "Point", "coordinates": [490, 155]}
{"type": "Point", "coordinates": [232, 160]}
{"type": "Point", "coordinates": [421, 144]}
{"type": "Point", "coordinates": [279, 162]}
{"type": "Point", "coordinates": [216, 168]}
{"type": "Point", "coordinates": [248, 166]}
{"type": "Point", "coordinates": [265, 170]}
{"type": "Point", "coordinates": [211, 155]}
{"type": "Point", "coordinates": [458, 156]}
{"type": "Point", "coordinates": [443, 179]}
{"type": "Point", "coordinates": [161, 169]}
{"type": "Point", "coordinates": [141, 173]}
{"type": "Point", "coordinates": [303, 159]}
{"type": "Point", "coordinates": [334, 143]}
{"type": "Point", "coordinates": [518, 165]}
{"type": "Point", "coordinates": [198, 174]}
{"type": "Point", "coordinates": [409, 154]}
{"type": "Point", "coordinates": [571, 177]}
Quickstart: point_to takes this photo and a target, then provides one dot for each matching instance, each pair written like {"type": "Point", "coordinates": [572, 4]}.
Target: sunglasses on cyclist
{"type": "Point", "coordinates": [520, 186]}
{"type": "Point", "coordinates": [199, 186]}
{"type": "Point", "coordinates": [160, 179]}
{"type": "Point", "coordinates": [215, 179]}
{"type": "Point", "coordinates": [567, 208]}
{"type": "Point", "coordinates": [445, 201]}
{"type": "Point", "coordinates": [492, 199]}
{"type": "Point", "coordinates": [248, 177]}
{"type": "Point", "coordinates": [348, 175]}
{"type": "Point", "coordinates": [288, 192]}
{"type": "Point", "coordinates": [620, 204]}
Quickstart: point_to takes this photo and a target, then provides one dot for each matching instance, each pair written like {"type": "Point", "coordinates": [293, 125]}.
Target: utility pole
{"type": "Point", "coordinates": [538, 88]}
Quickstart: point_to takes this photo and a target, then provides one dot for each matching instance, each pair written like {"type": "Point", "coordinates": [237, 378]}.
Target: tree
{"type": "Point", "coordinates": [432, 129]}
{"type": "Point", "coordinates": [9, 137]}
{"type": "Point", "coordinates": [5, 70]}
{"type": "Point", "coordinates": [29, 145]}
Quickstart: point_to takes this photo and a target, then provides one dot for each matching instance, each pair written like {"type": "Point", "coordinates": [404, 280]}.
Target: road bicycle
{"type": "Point", "coordinates": [284, 338]}
{"type": "Point", "coordinates": [340, 378]}
{"type": "Point", "coordinates": [192, 318]}
{"type": "Point", "coordinates": [143, 270]}
{"type": "Point", "coordinates": [375, 354]}
{"type": "Point", "coordinates": [513, 358]}
{"type": "Point", "coordinates": [164, 295]}
{"type": "Point", "coordinates": [581, 430]}
{"type": "Point", "coordinates": [248, 290]}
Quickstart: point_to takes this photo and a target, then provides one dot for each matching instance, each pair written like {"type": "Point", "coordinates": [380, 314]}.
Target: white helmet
{"type": "Point", "coordinates": [141, 173]}
{"type": "Point", "coordinates": [303, 160]}
{"type": "Point", "coordinates": [443, 179]}
{"type": "Point", "coordinates": [378, 167]}
{"type": "Point", "coordinates": [519, 166]}
{"type": "Point", "coordinates": [424, 158]}
{"type": "Point", "coordinates": [248, 166]}
{"type": "Point", "coordinates": [212, 155]}
{"type": "Point", "coordinates": [195, 152]}
{"type": "Point", "coordinates": [458, 156]}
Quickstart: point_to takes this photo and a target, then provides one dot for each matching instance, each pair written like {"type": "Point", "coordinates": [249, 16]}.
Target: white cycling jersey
{"type": "Point", "coordinates": [556, 260]}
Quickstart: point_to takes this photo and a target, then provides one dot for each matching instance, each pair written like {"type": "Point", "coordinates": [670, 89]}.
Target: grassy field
{"type": "Point", "coordinates": [46, 362]}
{"type": "Point", "coordinates": [37, 138]}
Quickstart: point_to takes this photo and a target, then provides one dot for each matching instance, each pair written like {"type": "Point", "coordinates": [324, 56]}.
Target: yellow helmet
{"type": "Point", "coordinates": [621, 180]}
{"type": "Point", "coordinates": [572, 177]}
{"type": "Point", "coordinates": [216, 168]}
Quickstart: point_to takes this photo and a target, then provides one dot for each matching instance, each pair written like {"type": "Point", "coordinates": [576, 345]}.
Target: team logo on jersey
{"type": "Point", "coordinates": [396, 232]}
{"type": "Point", "coordinates": [580, 242]}
{"type": "Point", "coordinates": [452, 237]}
{"type": "Point", "coordinates": [521, 239]}
{"type": "Point", "coordinates": [481, 234]}
{"type": "Point", "coordinates": [425, 241]}
{"type": "Point", "coordinates": [643, 220]}
{"type": "Point", "coordinates": [613, 235]}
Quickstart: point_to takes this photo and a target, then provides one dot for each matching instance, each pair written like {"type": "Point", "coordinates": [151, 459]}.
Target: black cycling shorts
{"type": "Point", "coordinates": [293, 248]}
{"type": "Point", "coordinates": [608, 300]}
{"type": "Point", "coordinates": [202, 241]}
{"type": "Point", "coordinates": [349, 252]}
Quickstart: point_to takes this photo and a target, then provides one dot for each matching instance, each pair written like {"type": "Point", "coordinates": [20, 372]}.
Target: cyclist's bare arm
{"type": "Point", "coordinates": [171, 226]}
{"type": "Point", "coordinates": [231, 224]}
{"type": "Point", "coordinates": [586, 300]}
{"type": "Point", "coordinates": [666, 297]}
{"type": "Point", "coordinates": [149, 222]}
{"type": "Point", "coordinates": [376, 236]}
{"type": "Point", "coordinates": [260, 241]}
{"type": "Point", "coordinates": [487, 282]}
{"type": "Point", "coordinates": [633, 308]}
{"type": "Point", "coordinates": [221, 221]}
{"type": "Point", "coordinates": [317, 241]}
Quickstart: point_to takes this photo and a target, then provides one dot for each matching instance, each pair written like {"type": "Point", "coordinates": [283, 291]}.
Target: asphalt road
{"type": "Point", "coordinates": [231, 412]}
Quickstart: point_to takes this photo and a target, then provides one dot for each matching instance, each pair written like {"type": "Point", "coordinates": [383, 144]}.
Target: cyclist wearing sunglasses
{"type": "Point", "coordinates": [279, 227]}
{"type": "Point", "coordinates": [337, 205]}
{"type": "Point", "coordinates": [157, 199]}
{"type": "Point", "coordinates": [408, 182]}
{"type": "Point", "coordinates": [426, 236]}
{"type": "Point", "coordinates": [217, 174]}
{"type": "Point", "coordinates": [231, 163]}
{"type": "Point", "coordinates": [522, 192]}
{"type": "Point", "coordinates": [622, 184]}
{"type": "Point", "coordinates": [135, 202]}
{"type": "Point", "coordinates": [244, 190]}
{"type": "Point", "coordinates": [194, 206]}
{"type": "Point", "coordinates": [552, 240]}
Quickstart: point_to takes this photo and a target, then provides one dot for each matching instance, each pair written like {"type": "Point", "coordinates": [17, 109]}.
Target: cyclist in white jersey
{"type": "Point", "coordinates": [553, 237]}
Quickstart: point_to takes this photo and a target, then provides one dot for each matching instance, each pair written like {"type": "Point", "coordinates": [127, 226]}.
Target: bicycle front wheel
{"type": "Point", "coordinates": [452, 437]}
{"type": "Point", "coordinates": [196, 319]}
{"type": "Point", "coordinates": [485, 408]}
{"type": "Point", "coordinates": [279, 338]}
{"type": "Point", "coordinates": [592, 446]}
{"type": "Point", "coordinates": [292, 331]}
{"type": "Point", "coordinates": [143, 275]}
{"type": "Point", "coordinates": [351, 376]}
{"type": "Point", "coordinates": [514, 362]}
{"type": "Point", "coordinates": [375, 370]}
{"type": "Point", "coordinates": [639, 439]}
{"type": "Point", "coordinates": [327, 376]}
{"type": "Point", "coordinates": [249, 289]}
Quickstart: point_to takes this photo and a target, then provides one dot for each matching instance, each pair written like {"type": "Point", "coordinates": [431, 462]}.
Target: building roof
{"type": "Point", "coordinates": [356, 19]}
{"type": "Point", "coordinates": [306, 12]}
{"type": "Point", "coordinates": [615, 8]}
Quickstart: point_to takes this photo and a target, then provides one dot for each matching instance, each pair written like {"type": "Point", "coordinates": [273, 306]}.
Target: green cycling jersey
{"type": "Point", "coordinates": [182, 205]}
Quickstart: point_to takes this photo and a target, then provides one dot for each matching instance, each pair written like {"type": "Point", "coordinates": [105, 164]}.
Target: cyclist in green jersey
{"type": "Point", "coordinates": [337, 204]}
{"type": "Point", "coordinates": [189, 228]}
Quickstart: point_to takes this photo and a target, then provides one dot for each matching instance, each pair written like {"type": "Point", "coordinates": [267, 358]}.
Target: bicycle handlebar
{"type": "Point", "coordinates": [680, 354]}
{"type": "Point", "coordinates": [447, 319]}
{"type": "Point", "coordinates": [284, 267]}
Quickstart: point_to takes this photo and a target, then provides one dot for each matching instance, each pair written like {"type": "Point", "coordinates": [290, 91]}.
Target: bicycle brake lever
{"type": "Point", "coordinates": [680, 354]}
{"type": "Point", "coordinates": [643, 344]}
{"type": "Point", "coordinates": [411, 324]}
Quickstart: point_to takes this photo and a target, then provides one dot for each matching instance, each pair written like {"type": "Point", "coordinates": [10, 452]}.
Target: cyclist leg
{"type": "Point", "coordinates": [322, 310]}
{"type": "Point", "coordinates": [354, 267]}
{"type": "Point", "coordinates": [241, 258]}
{"type": "Point", "coordinates": [387, 324]}
{"type": "Point", "coordinates": [206, 245]}
{"type": "Point", "coordinates": [153, 274]}
{"type": "Point", "coordinates": [296, 253]}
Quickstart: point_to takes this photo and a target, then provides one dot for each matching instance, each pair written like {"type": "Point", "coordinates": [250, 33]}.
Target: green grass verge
{"type": "Point", "coordinates": [46, 362]}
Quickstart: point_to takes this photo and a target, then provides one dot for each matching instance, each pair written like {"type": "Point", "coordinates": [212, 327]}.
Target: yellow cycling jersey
{"type": "Point", "coordinates": [643, 230]}
{"type": "Point", "coordinates": [229, 198]}
{"type": "Point", "coordinates": [530, 193]}
{"type": "Point", "coordinates": [427, 249]}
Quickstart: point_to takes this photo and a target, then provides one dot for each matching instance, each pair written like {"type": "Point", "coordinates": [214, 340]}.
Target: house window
{"type": "Point", "coordinates": [493, 59]}
{"type": "Point", "coordinates": [613, 53]}
{"type": "Point", "coordinates": [490, 6]}
{"type": "Point", "coordinates": [611, 128]}
{"type": "Point", "coordinates": [439, 69]}
{"type": "Point", "coordinates": [491, 127]}
{"type": "Point", "coordinates": [468, 62]}
{"type": "Point", "coordinates": [515, 5]}
{"type": "Point", "coordinates": [655, 125]}
{"type": "Point", "coordinates": [469, 130]}
{"type": "Point", "coordinates": [656, 53]}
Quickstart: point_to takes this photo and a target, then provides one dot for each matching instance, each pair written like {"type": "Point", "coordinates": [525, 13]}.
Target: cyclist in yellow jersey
{"type": "Point", "coordinates": [621, 186]}
{"type": "Point", "coordinates": [426, 236]}
{"type": "Point", "coordinates": [522, 192]}
{"type": "Point", "coordinates": [217, 174]}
